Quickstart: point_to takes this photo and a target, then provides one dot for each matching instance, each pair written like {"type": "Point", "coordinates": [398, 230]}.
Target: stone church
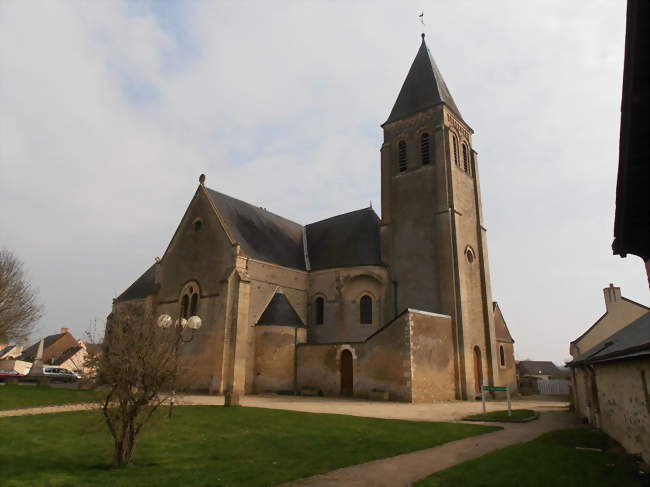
{"type": "Point", "coordinates": [354, 304]}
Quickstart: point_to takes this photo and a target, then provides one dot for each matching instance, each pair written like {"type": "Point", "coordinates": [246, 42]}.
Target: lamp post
{"type": "Point", "coordinates": [193, 323]}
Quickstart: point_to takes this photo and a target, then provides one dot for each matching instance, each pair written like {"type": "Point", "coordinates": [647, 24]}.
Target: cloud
{"type": "Point", "coordinates": [111, 110]}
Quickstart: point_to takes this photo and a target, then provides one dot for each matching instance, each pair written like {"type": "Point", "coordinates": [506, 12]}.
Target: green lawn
{"type": "Point", "coordinates": [207, 446]}
{"type": "Point", "coordinates": [550, 460]}
{"type": "Point", "coordinates": [518, 415]}
{"type": "Point", "coordinates": [15, 397]}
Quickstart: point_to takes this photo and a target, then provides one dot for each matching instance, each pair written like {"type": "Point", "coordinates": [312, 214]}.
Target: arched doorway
{"type": "Point", "coordinates": [478, 370]}
{"type": "Point", "coordinates": [346, 373]}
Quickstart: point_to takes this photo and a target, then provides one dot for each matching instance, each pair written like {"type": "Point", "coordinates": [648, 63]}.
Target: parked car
{"type": "Point", "coordinates": [9, 374]}
{"type": "Point", "coordinates": [58, 373]}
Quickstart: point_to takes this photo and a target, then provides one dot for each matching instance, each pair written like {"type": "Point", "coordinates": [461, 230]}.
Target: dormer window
{"type": "Point", "coordinates": [424, 149]}
{"type": "Point", "coordinates": [401, 155]}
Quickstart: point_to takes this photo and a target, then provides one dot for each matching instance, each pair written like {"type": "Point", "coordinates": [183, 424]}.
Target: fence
{"type": "Point", "coordinates": [553, 386]}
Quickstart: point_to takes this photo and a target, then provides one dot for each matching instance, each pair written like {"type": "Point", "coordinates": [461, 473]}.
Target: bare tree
{"type": "Point", "coordinates": [139, 364]}
{"type": "Point", "coordinates": [19, 307]}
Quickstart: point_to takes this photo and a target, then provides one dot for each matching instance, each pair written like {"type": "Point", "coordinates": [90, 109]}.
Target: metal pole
{"type": "Point", "coordinates": [508, 396]}
{"type": "Point", "coordinates": [483, 399]}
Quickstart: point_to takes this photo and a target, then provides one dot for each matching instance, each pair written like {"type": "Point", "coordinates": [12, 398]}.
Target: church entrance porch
{"type": "Point", "coordinates": [347, 374]}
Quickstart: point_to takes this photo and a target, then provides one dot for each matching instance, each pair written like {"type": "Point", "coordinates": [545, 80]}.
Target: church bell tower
{"type": "Point", "coordinates": [432, 234]}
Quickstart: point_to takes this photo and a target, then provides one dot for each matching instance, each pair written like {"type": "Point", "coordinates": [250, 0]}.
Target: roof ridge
{"type": "Point", "coordinates": [344, 214]}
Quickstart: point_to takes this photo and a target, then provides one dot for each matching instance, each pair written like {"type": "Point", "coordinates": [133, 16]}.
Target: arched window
{"type": "Point", "coordinates": [319, 311]}
{"type": "Point", "coordinates": [465, 159]}
{"type": "Point", "coordinates": [424, 149]}
{"type": "Point", "coordinates": [365, 310]}
{"type": "Point", "coordinates": [454, 140]}
{"type": "Point", "coordinates": [401, 149]}
{"type": "Point", "coordinates": [185, 306]}
{"type": "Point", "coordinates": [198, 225]}
{"type": "Point", "coordinates": [194, 304]}
{"type": "Point", "coordinates": [502, 356]}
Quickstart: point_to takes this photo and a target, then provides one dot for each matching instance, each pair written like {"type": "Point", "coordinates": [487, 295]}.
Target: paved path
{"type": "Point", "coordinates": [48, 409]}
{"type": "Point", "coordinates": [437, 411]}
{"type": "Point", "coordinates": [404, 469]}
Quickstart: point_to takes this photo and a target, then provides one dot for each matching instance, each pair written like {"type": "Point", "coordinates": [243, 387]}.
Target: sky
{"type": "Point", "coordinates": [110, 111]}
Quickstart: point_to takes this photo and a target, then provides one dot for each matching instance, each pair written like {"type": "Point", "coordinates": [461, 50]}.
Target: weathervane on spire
{"type": "Point", "coordinates": [422, 22]}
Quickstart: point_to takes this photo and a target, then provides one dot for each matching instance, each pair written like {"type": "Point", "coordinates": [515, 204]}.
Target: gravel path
{"type": "Point", "coordinates": [402, 470]}
{"type": "Point", "coordinates": [48, 409]}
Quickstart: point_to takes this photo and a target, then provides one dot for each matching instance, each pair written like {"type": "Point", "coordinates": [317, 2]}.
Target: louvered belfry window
{"type": "Point", "coordinates": [424, 148]}
{"type": "Point", "coordinates": [402, 155]}
{"type": "Point", "coordinates": [465, 159]}
{"type": "Point", "coordinates": [455, 149]}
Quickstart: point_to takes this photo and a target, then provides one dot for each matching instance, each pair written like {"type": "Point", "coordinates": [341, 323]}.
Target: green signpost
{"type": "Point", "coordinates": [505, 389]}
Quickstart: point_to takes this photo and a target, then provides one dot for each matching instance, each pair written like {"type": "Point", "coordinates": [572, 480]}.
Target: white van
{"type": "Point", "coordinates": [59, 373]}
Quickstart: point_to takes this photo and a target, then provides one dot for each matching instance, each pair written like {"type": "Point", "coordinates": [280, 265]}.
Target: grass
{"type": "Point", "coordinates": [550, 460]}
{"type": "Point", "coordinates": [207, 446]}
{"type": "Point", "coordinates": [16, 397]}
{"type": "Point", "coordinates": [518, 416]}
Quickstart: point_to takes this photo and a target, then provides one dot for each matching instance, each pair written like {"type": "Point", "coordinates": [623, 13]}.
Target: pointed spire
{"type": "Point", "coordinates": [422, 89]}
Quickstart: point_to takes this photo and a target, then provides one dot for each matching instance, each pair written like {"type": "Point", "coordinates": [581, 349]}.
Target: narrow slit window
{"type": "Point", "coordinates": [319, 311]}
{"type": "Point", "coordinates": [402, 156]}
{"type": "Point", "coordinates": [194, 304]}
{"type": "Point", "coordinates": [425, 149]}
{"type": "Point", "coordinates": [455, 149]}
{"type": "Point", "coordinates": [502, 356]}
{"type": "Point", "coordinates": [365, 310]}
{"type": "Point", "coordinates": [185, 306]}
{"type": "Point", "coordinates": [465, 159]}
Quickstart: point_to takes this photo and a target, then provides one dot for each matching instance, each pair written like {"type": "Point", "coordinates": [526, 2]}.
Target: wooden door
{"type": "Point", "coordinates": [347, 378]}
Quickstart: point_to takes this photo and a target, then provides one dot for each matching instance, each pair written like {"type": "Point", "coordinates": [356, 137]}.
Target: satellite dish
{"type": "Point", "coordinates": [165, 321]}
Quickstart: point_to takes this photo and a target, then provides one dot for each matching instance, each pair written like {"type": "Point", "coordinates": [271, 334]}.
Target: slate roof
{"type": "Point", "coordinates": [29, 354]}
{"type": "Point", "coordinates": [629, 342]}
{"type": "Point", "coordinates": [66, 355]}
{"type": "Point", "coordinates": [144, 286]}
{"type": "Point", "coordinates": [423, 88]}
{"type": "Point", "coordinates": [535, 367]}
{"type": "Point", "coordinates": [261, 234]}
{"type": "Point", "coordinates": [502, 333]}
{"type": "Point", "coordinates": [280, 312]}
{"type": "Point", "coordinates": [347, 240]}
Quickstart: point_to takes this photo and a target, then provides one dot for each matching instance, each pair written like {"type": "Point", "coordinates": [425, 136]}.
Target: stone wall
{"type": "Point", "coordinates": [410, 358]}
{"type": "Point", "coordinates": [432, 357]}
{"type": "Point", "coordinates": [623, 402]}
{"type": "Point", "coordinates": [341, 289]}
{"type": "Point", "coordinates": [275, 348]}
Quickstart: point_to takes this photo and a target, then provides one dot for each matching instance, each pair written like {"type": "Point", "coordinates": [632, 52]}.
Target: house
{"type": "Point", "coordinates": [619, 312]}
{"type": "Point", "coordinates": [355, 303]}
{"type": "Point", "coordinates": [60, 349]}
{"type": "Point", "coordinates": [9, 359]}
{"type": "Point", "coordinates": [612, 385]}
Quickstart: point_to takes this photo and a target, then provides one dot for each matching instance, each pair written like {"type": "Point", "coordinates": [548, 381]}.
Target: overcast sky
{"type": "Point", "coordinates": [110, 110]}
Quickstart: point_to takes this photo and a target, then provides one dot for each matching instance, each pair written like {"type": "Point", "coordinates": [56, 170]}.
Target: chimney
{"type": "Point", "coordinates": [612, 295]}
{"type": "Point", "coordinates": [64, 330]}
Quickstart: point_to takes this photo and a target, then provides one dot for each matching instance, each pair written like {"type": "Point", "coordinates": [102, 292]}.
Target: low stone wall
{"type": "Point", "coordinates": [410, 358]}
